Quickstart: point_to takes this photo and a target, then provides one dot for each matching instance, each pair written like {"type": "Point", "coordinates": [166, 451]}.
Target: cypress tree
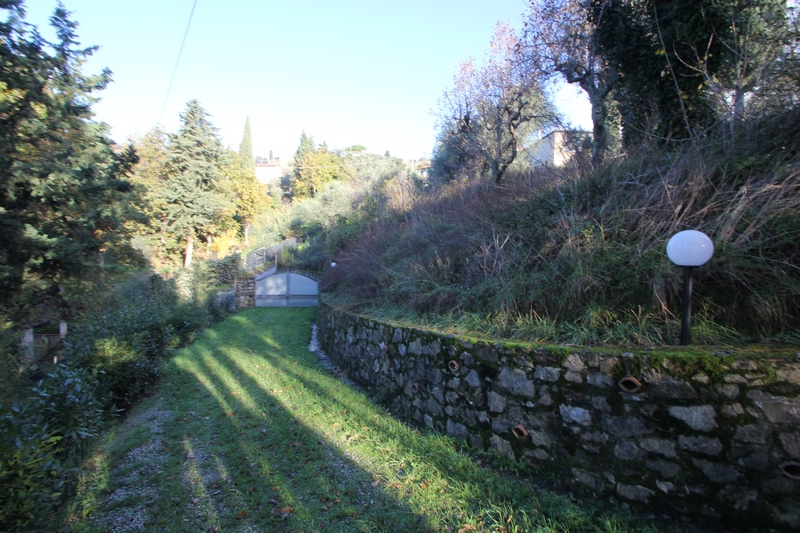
{"type": "Point", "coordinates": [251, 198]}
{"type": "Point", "coordinates": [246, 159]}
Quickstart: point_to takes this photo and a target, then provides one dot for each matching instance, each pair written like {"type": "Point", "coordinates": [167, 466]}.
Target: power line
{"type": "Point", "coordinates": [177, 62]}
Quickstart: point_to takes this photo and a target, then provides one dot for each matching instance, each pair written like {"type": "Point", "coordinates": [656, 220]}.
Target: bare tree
{"type": "Point", "coordinates": [559, 39]}
{"type": "Point", "coordinates": [490, 108]}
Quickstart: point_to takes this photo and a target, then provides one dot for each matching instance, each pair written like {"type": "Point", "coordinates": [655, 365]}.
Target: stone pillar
{"type": "Point", "coordinates": [245, 293]}
{"type": "Point", "coordinates": [26, 343]}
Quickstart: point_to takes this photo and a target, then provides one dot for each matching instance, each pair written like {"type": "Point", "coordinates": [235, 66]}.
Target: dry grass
{"type": "Point", "coordinates": [566, 247]}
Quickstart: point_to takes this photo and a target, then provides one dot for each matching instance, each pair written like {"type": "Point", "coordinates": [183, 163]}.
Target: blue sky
{"type": "Point", "coordinates": [346, 71]}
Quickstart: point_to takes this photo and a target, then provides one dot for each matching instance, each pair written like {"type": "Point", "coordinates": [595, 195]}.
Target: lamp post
{"type": "Point", "coordinates": [689, 249]}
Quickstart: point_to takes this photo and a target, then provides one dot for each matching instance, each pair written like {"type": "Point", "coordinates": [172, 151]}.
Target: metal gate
{"type": "Point", "coordinates": [286, 288]}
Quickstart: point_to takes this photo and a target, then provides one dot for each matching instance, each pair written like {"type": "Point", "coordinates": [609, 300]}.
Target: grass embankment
{"type": "Point", "coordinates": [249, 433]}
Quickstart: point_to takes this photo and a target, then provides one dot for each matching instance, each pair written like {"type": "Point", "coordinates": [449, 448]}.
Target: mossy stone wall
{"type": "Point", "coordinates": [695, 433]}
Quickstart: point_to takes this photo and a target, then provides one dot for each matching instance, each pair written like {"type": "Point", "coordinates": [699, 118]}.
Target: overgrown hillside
{"type": "Point", "coordinates": [578, 256]}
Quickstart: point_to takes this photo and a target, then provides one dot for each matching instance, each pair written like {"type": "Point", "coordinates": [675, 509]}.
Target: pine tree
{"type": "Point", "coordinates": [193, 194]}
{"type": "Point", "coordinates": [64, 195]}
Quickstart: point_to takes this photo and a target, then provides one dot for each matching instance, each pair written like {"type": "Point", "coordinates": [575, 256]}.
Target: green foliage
{"type": "Point", "coordinates": [228, 269]}
{"type": "Point", "coordinates": [64, 197]}
{"type": "Point", "coordinates": [316, 169]}
{"type": "Point", "coordinates": [42, 437]}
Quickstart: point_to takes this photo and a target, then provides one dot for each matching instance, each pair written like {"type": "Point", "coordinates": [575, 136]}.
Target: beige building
{"type": "Point", "coordinates": [557, 148]}
{"type": "Point", "coordinates": [270, 170]}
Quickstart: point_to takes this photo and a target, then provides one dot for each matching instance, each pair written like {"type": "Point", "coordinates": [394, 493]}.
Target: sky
{"type": "Point", "coordinates": [346, 72]}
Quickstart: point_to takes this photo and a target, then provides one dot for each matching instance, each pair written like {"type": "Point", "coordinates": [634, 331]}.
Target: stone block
{"type": "Point", "coordinates": [791, 444]}
{"type": "Point", "coordinates": [473, 379]}
{"type": "Point", "coordinates": [636, 493]}
{"type": "Point", "coordinates": [573, 377]}
{"type": "Point", "coordinates": [456, 430]}
{"type": "Point", "coordinates": [574, 363]}
{"type": "Point", "coordinates": [665, 468]}
{"type": "Point", "coordinates": [601, 403]}
{"type": "Point", "coordinates": [665, 386]}
{"type": "Point", "coordinates": [698, 417]}
{"type": "Point", "coordinates": [588, 478]}
{"type": "Point", "coordinates": [727, 390]}
{"type": "Point", "coordinates": [625, 426]}
{"type": "Point", "coordinates": [501, 446]}
{"type": "Point", "coordinates": [577, 415]}
{"type": "Point", "coordinates": [752, 433]}
{"type": "Point", "coordinates": [516, 382]}
{"type": "Point", "coordinates": [598, 379]}
{"type": "Point", "coordinates": [717, 472]}
{"type": "Point", "coordinates": [777, 409]}
{"type": "Point", "coordinates": [547, 373]}
{"type": "Point", "coordinates": [704, 445]}
{"type": "Point", "coordinates": [660, 446]}
{"type": "Point", "coordinates": [734, 409]}
{"type": "Point", "coordinates": [497, 403]}
{"type": "Point", "coordinates": [790, 374]}
{"type": "Point", "coordinates": [626, 451]}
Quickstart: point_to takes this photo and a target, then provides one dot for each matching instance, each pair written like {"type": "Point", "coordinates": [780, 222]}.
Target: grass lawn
{"type": "Point", "coordinates": [248, 432]}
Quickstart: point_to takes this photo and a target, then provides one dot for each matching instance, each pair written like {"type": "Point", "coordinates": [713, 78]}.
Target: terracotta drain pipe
{"type": "Point", "coordinates": [790, 469]}
{"type": "Point", "coordinates": [630, 384]}
{"type": "Point", "coordinates": [519, 431]}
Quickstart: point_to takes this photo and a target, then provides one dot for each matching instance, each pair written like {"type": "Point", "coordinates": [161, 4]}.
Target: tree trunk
{"type": "Point", "coordinates": [187, 257]}
{"type": "Point", "coordinates": [246, 233]}
{"type": "Point", "coordinates": [599, 137]}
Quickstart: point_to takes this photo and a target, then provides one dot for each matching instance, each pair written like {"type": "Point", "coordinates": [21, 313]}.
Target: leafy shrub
{"type": "Point", "coordinates": [42, 438]}
{"type": "Point", "coordinates": [226, 270]}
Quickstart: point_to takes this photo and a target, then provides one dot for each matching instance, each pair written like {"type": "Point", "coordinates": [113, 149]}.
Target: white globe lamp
{"type": "Point", "coordinates": [689, 249]}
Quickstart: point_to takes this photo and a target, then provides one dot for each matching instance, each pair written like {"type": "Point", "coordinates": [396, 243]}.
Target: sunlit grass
{"type": "Point", "coordinates": [258, 437]}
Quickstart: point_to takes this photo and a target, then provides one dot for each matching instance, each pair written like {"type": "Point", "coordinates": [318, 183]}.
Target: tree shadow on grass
{"type": "Point", "coordinates": [249, 462]}
{"type": "Point", "coordinates": [412, 463]}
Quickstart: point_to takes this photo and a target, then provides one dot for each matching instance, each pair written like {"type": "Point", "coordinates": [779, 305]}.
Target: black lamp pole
{"type": "Point", "coordinates": [686, 313]}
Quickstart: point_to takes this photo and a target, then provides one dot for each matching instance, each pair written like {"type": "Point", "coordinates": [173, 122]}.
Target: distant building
{"type": "Point", "coordinates": [421, 166]}
{"type": "Point", "coordinates": [268, 170]}
{"type": "Point", "coordinates": [557, 148]}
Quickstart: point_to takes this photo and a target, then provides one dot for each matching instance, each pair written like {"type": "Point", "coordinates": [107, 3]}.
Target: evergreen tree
{"type": "Point", "coordinates": [251, 198]}
{"type": "Point", "coordinates": [246, 159]}
{"type": "Point", "coordinates": [305, 148]}
{"type": "Point", "coordinates": [193, 195]}
{"type": "Point", "coordinates": [64, 195]}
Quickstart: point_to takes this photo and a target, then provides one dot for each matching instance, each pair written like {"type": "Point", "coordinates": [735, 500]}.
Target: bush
{"type": "Point", "coordinates": [42, 439]}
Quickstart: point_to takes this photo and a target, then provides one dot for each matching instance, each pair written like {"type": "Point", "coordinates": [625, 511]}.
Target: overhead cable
{"type": "Point", "coordinates": [177, 62]}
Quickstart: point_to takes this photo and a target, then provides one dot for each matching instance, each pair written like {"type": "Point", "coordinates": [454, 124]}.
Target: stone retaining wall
{"type": "Point", "coordinates": [688, 434]}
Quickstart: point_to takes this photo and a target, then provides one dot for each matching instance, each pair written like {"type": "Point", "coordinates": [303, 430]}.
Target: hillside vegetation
{"type": "Point", "coordinates": [578, 255]}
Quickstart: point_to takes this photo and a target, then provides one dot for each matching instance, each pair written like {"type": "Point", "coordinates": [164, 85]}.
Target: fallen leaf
{"type": "Point", "coordinates": [241, 514]}
{"type": "Point", "coordinates": [283, 512]}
